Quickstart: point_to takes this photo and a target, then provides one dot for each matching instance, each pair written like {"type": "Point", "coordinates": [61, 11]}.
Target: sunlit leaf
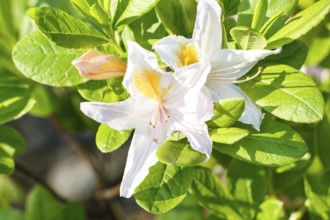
{"type": "Point", "coordinates": [50, 65]}
{"type": "Point", "coordinates": [275, 145]}
{"type": "Point", "coordinates": [164, 187]}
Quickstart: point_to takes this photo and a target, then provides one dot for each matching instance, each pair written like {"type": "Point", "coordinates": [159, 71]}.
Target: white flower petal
{"type": "Point", "coordinates": [122, 115]}
{"type": "Point", "coordinates": [138, 60]}
{"type": "Point", "coordinates": [252, 113]}
{"type": "Point", "coordinates": [141, 156]}
{"type": "Point", "coordinates": [208, 30]}
{"type": "Point", "coordinates": [195, 131]}
{"type": "Point", "coordinates": [169, 49]}
{"type": "Point", "coordinates": [232, 64]}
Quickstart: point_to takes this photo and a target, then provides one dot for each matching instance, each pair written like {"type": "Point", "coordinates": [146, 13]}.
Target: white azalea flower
{"type": "Point", "coordinates": [227, 65]}
{"type": "Point", "coordinates": [160, 103]}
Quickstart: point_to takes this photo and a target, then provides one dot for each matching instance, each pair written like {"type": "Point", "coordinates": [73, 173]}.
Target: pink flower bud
{"type": "Point", "coordinates": [96, 65]}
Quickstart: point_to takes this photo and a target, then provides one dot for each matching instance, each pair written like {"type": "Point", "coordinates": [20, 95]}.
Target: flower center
{"type": "Point", "coordinates": [188, 55]}
{"type": "Point", "coordinates": [148, 83]}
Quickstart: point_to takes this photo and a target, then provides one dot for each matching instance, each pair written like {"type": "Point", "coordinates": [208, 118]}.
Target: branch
{"type": "Point", "coordinates": [108, 194]}
{"type": "Point", "coordinates": [75, 145]}
{"type": "Point", "coordinates": [28, 173]}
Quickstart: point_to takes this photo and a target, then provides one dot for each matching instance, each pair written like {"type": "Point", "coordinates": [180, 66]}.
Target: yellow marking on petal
{"type": "Point", "coordinates": [188, 55]}
{"type": "Point", "coordinates": [148, 83]}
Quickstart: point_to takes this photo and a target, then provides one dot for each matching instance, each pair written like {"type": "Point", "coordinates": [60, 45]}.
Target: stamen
{"type": "Point", "coordinates": [252, 77]}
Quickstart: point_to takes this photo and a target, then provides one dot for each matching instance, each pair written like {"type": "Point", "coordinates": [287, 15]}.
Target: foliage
{"type": "Point", "coordinates": [262, 166]}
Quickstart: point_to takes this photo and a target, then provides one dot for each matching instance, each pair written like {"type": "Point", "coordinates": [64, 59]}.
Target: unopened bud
{"type": "Point", "coordinates": [96, 65]}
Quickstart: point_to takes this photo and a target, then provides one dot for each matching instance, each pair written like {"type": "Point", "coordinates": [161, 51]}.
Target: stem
{"type": "Point", "coordinates": [271, 190]}
{"type": "Point", "coordinates": [21, 168]}
{"type": "Point", "coordinates": [74, 144]}
{"type": "Point", "coordinates": [113, 42]}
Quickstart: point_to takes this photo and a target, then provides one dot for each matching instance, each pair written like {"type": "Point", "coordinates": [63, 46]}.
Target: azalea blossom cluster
{"type": "Point", "coordinates": [161, 102]}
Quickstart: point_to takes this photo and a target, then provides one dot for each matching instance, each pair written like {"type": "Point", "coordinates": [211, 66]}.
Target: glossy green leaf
{"type": "Point", "coordinates": [248, 39]}
{"type": "Point", "coordinates": [74, 211]}
{"type": "Point", "coordinates": [228, 135]}
{"type": "Point", "coordinates": [318, 195]}
{"type": "Point", "coordinates": [40, 204]}
{"type": "Point", "coordinates": [211, 195]}
{"type": "Point", "coordinates": [50, 65]}
{"type": "Point", "coordinates": [275, 145]}
{"type": "Point", "coordinates": [259, 16]}
{"type": "Point", "coordinates": [164, 187]}
{"type": "Point", "coordinates": [11, 144]}
{"type": "Point", "coordinates": [227, 112]}
{"type": "Point", "coordinates": [173, 17]}
{"type": "Point", "coordinates": [103, 91]}
{"type": "Point", "coordinates": [66, 30]}
{"type": "Point", "coordinates": [46, 102]}
{"type": "Point", "coordinates": [100, 15]}
{"type": "Point", "coordinates": [248, 184]}
{"type": "Point", "coordinates": [293, 54]}
{"type": "Point", "coordinates": [271, 209]}
{"type": "Point", "coordinates": [135, 9]}
{"type": "Point", "coordinates": [286, 93]}
{"type": "Point", "coordinates": [300, 24]}
{"type": "Point", "coordinates": [15, 100]}
{"type": "Point", "coordinates": [179, 153]}
{"type": "Point", "coordinates": [108, 139]}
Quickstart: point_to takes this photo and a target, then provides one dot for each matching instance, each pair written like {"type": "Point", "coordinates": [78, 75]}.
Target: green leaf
{"type": "Point", "coordinates": [164, 187]}
{"type": "Point", "coordinates": [259, 16]}
{"type": "Point", "coordinates": [230, 7]}
{"type": "Point", "coordinates": [11, 144]}
{"type": "Point", "coordinates": [292, 54]}
{"type": "Point", "coordinates": [11, 214]}
{"type": "Point", "coordinates": [248, 184]}
{"type": "Point", "coordinates": [73, 211]}
{"type": "Point", "coordinates": [271, 209]}
{"type": "Point", "coordinates": [319, 198]}
{"type": "Point", "coordinates": [173, 17]}
{"type": "Point", "coordinates": [227, 112]}
{"type": "Point", "coordinates": [50, 65]}
{"type": "Point", "coordinates": [147, 29]}
{"type": "Point", "coordinates": [210, 194]}
{"type": "Point", "coordinates": [188, 209]}
{"type": "Point", "coordinates": [108, 139]}
{"type": "Point", "coordinates": [100, 15]}
{"type": "Point", "coordinates": [40, 204]}
{"type": "Point", "coordinates": [10, 193]}
{"type": "Point", "coordinates": [300, 24]}
{"type": "Point", "coordinates": [275, 145]}
{"type": "Point", "coordinates": [179, 153]}
{"type": "Point", "coordinates": [66, 30]}
{"type": "Point", "coordinates": [286, 93]}
{"type": "Point", "coordinates": [15, 98]}
{"type": "Point", "coordinates": [46, 102]}
{"type": "Point", "coordinates": [323, 138]}
{"type": "Point", "coordinates": [248, 39]}
{"type": "Point", "coordinates": [247, 9]}
{"type": "Point", "coordinates": [228, 135]}
{"type": "Point", "coordinates": [103, 91]}
{"type": "Point", "coordinates": [135, 9]}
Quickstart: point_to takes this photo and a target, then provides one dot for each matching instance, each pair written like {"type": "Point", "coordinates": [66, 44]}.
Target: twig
{"type": "Point", "coordinates": [21, 168]}
{"type": "Point", "coordinates": [75, 145]}
{"type": "Point", "coordinates": [108, 194]}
